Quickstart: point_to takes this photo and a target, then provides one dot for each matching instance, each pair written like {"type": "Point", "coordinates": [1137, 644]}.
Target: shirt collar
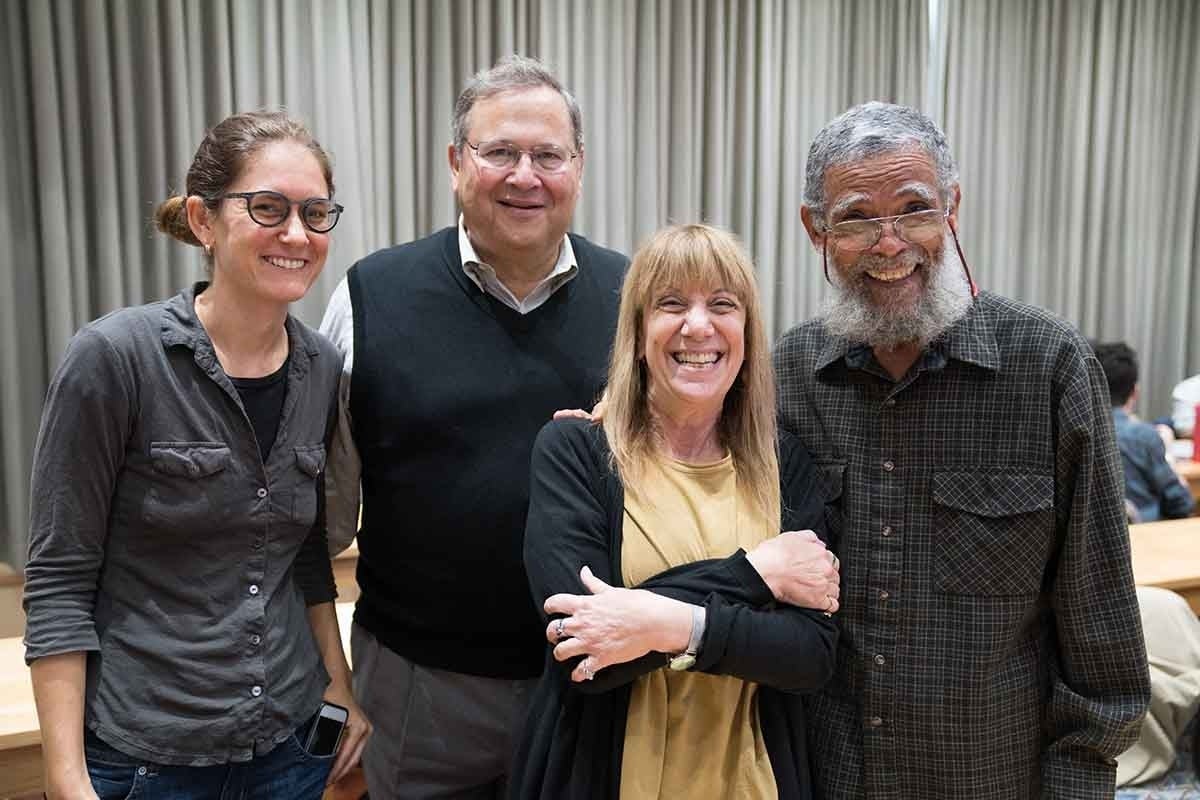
{"type": "Point", "coordinates": [971, 340]}
{"type": "Point", "coordinates": [181, 326]}
{"type": "Point", "coordinates": [470, 259]}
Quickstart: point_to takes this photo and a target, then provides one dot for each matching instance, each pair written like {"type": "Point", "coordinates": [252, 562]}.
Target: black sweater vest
{"type": "Point", "coordinates": [448, 391]}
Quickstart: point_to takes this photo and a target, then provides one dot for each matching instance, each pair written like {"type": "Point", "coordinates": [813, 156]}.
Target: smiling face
{"type": "Point", "coordinates": [895, 291]}
{"type": "Point", "coordinates": [693, 346]}
{"type": "Point", "coordinates": [517, 212]}
{"type": "Point", "coordinates": [278, 264]}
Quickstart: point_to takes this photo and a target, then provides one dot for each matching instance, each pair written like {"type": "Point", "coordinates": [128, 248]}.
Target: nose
{"type": "Point", "coordinates": [523, 175]}
{"type": "Point", "coordinates": [293, 229]}
{"type": "Point", "coordinates": [697, 323]}
{"type": "Point", "coordinates": [890, 243]}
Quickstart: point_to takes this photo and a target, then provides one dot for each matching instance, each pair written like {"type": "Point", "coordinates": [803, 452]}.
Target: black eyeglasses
{"type": "Point", "coordinates": [271, 209]}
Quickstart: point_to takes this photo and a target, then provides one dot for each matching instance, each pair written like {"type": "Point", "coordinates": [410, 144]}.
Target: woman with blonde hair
{"type": "Point", "coordinates": [688, 683]}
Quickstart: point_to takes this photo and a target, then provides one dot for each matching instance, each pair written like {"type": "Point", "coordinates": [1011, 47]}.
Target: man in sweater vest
{"type": "Point", "coordinates": [459, 347]}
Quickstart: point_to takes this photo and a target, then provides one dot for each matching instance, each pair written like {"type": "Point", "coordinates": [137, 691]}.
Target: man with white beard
{"type": "Point", "coordinates": [991, 645]}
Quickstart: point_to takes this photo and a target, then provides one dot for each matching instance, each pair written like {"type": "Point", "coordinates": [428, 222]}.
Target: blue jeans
{"type": "Point", "coordinates": [286, 772]}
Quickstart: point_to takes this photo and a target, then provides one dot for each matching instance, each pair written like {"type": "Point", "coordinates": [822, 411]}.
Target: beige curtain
{"type": "Point", "coordinates": [693, 109]}
{"type": "Point", "coordinates": [1078, 135]}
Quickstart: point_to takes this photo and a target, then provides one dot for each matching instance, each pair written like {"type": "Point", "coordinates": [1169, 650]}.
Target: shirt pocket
{"type": "Point", "coordinates": [831, 475]}
{"type": "Point", "coordinates": [310, 461]}
{"type": "Point", "coordinates": [993, 531]}
{"type": "Point", "coordinates": [188, 491]}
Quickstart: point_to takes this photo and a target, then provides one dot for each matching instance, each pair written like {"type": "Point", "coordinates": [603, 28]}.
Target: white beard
{"type": "Point", "coordinates": [945, 299]}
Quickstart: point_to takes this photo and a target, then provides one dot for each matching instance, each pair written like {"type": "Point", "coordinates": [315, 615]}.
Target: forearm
{"type": "Point", "coordinates": [322, 618]}
{"type": "Point", "coordinates": [58, 685]}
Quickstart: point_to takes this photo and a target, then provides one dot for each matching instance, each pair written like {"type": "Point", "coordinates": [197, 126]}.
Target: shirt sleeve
{"type": "Point", "coordinates": [86, 420]}
{"type": "Point", "coordinates": [746, 634]}
{"type": "Point", "coordinates": [1099, 688]}
{"type": "Point", "coordinates": [343, 468]}
{"type": "Point", "coordinates": [1175, 499]}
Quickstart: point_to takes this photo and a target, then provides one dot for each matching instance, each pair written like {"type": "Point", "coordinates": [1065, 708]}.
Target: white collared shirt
{"type": "Point", "coordinates": [484, 276]}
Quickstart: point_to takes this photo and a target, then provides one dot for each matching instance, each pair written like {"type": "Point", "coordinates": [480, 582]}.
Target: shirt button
{"type": "Point", "coordinates": [880, 660]}
{"type": "Point", "coordinates": [875, 722]}
{"type": "Point", "coordinates": [256, 690]}
{"type": "Point", "coordinates": [262, 492]}
{"type": "Point", "coordinates": [253, 588]}
{"type": "Point", "coordinates": [887, 530]}
{"type": "Point", "coordinates": [141, 770]}
{"type": "Point", "coordinates": [888, 466]}
{"type": "Point", "coordinates": [255, 639]}
{"type": "Point", "coordinates": [884, 595]}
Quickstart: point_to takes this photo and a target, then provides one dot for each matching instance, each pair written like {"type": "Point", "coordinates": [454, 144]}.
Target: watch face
{"type": "Point", "coordinates": [682, 662]}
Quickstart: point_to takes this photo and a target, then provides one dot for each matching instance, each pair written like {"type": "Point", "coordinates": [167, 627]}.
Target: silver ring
{"type": "Point", "coordinates": [559, 628]}
{"type": "Point", "coordinates": [587, 673]}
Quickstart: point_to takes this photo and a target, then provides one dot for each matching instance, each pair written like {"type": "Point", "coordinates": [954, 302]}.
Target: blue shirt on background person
{"type": "Point", "coordinates": [1151, 483]}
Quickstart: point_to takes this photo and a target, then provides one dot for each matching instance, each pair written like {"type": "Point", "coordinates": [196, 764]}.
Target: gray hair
{"type": "Point", "coordinates": [511, 72]}
{"type": "Point", "coordinates": [870, 130]}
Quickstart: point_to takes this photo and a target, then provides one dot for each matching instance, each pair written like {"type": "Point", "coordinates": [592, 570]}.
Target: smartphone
{"type": "Point", "coordinates": [326, 730]}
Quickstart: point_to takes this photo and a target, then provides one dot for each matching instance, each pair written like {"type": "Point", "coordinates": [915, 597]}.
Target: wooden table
{"type": "Point", "coordinates": [1167, 554]}
{"type": "Point", "coordinates": [21, 740]}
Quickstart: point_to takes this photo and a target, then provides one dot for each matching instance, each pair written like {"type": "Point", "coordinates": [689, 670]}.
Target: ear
{"type": "Point", "coordinates": [955, 202]}
{"type": "Point", "coordinates": [810, 224]}
{"type": "Point", "coordinates": [452, 157]}
{"type": "Point", "coordinates": [199, 220]}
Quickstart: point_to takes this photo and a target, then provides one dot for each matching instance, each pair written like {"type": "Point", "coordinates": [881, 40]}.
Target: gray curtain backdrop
{"type": "Point", "coordinates": [1077, 130]}
{"type": "Point", "coordinates": [693, 109]}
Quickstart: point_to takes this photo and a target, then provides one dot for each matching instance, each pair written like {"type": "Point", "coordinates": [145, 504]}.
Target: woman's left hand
{"type": "Point", "coordinates": [614, 625]}
{"type": "Point", "coordinates": [354, 737]}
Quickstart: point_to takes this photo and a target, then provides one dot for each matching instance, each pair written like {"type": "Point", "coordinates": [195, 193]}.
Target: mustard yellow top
{"type": "Point", "coordinates": [689, 734]}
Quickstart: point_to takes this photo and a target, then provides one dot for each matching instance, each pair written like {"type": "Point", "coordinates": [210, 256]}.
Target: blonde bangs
{"type": "Point", "coordinates": [681, 257]}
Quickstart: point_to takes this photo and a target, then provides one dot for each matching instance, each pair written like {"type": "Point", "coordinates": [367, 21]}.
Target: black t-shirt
{"type": "Point", "coordinates": [263, 399]}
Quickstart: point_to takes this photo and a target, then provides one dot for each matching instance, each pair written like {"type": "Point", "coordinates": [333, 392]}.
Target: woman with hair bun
{"type": "Point", "coordinates": [181, 629]}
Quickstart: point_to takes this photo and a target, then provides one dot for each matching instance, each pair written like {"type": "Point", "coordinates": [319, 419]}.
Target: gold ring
{"type": "Point", "coordinates": [559, 628]}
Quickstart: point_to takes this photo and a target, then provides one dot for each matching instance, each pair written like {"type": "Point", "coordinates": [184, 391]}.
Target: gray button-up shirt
{"type": "Point", "coordinates": [163, 546]}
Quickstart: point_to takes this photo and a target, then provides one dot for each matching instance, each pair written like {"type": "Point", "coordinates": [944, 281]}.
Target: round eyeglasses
{"type": "Point", "coordinates": [545, 158]}
{"type": "Point", "coordinates": [271, 209]}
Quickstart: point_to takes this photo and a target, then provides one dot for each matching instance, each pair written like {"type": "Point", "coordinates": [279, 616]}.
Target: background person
{"type": "Point", "coordinates": [1151, 485]}
{"type": "Point", "coordinates": [685, 686]}
{"type": "Point", "coordinates": [181, 628]}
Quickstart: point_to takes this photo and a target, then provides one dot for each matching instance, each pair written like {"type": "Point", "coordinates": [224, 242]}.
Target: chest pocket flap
{"type": "Point", "coordinates": [189, 459]}
{"type": "Point", "coordinates": [993, 531]}
{"type": "Point", "coordinates": [993, 494]}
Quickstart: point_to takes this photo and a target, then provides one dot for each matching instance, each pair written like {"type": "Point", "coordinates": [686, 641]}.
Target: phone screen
{"type": "Point", "coordinates": [326, 732]}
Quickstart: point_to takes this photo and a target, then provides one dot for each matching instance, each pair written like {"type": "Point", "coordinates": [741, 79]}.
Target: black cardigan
{"type": "Point", "coordinates": [573, 741]}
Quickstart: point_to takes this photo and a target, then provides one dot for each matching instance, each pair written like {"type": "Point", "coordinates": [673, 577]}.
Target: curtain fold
{"type": "Point", "coordinates": [1078, 138]}
{"type": "Point", "coordinates": [693, 109]}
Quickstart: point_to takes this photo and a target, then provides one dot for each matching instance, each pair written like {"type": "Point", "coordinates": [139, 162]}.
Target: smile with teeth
{"type": "Point", "coordinates": [285, 263]}
{"type": "Point", "coordinates": [892, 274]}
{"type": "Point", "coordinates": [696, 359]}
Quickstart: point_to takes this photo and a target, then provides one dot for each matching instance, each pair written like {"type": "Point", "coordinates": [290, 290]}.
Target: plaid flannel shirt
{"type": "Point", "coordinates": [991, 645]}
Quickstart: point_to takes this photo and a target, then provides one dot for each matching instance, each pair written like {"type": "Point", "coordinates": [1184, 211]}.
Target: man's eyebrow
{"type": "Point", "coordinates": [846, 203]}
{"type": "Point", "coordinates": [920, 189]}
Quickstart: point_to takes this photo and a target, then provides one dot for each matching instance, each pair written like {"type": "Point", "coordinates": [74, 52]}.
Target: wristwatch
{"type": "Point", "coordinates": [687, 659]}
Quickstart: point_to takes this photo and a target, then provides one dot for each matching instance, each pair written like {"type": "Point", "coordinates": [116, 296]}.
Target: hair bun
{"type": "Point", "coordinates": [171, 219]}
